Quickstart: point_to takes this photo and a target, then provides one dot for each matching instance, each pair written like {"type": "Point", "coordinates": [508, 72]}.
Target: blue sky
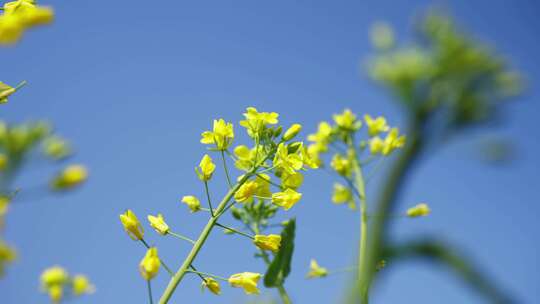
{"type": "Point", "coordinates": [133, 84]}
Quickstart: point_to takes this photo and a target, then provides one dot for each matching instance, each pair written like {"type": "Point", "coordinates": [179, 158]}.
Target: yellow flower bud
{"type": "Point", "coordinates": [54, 276]}
{"type": "Point", "coordinates": [158, 223]}
{"type": "Point", "coordinates": [70, 177]}
{"type": "Point", "coordinates": [150, 264]}
{"type": "Point", "coordinates": [56, 148]}
{"type": "Point", "coordinates": [206, 168]}
{"type": "Point", "coordinates": [292, 132]}
{"type": "Point", "coordinates": [316, 271]}
{"type": "Point", "coordinates": [419, 210]}
{"type": "Point", "coordinates": [347, 120]}
{"type": "Point", "coordinates": [5, 90]}
{"type": "Point", "coordinates": [246, 191]}
{"type": "Point", "coordinates": [132, 225]}
{"type": "Point", "coordinates": [270, 242]}
{"type": "Point", "coordinates": [286, 199]}
{"type": "Point", "coordinates": [56, 293]}
{"type": "Point", "coordinates": [212, 285]}
{"type": "Point", "coordinates": [192, 202]}
{"type": "Point", "coordinates": [81, 285]}
{"type": "Point", "coordinates": [246, 280]}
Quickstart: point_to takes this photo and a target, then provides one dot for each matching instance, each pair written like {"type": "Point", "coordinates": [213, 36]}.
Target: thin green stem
{"type": "Point", "coordinates": [268, 181]}
{"type": "Point", "coordinates": [206, 274]}
{"type": "Point", "coordinates": [20, 85]}
{"type": "Point", "coordinates": [149, 285]}
{"type": "Point", "coordinates": [235, 231]}
{"type": "Point", "coordinates": [179, 275]}
{"type": "Point", "coordinates": [208, 198]}
{"type": "Point", "coordinates": [181, 237]}
{"type": "Point", "coordinates": [226, 169]}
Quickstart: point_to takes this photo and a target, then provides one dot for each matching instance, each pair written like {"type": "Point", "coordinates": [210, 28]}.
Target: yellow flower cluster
{"type": "Point", "coordinates": [19, 16]}
{"type": "Point", "coordinates": [58, 284]}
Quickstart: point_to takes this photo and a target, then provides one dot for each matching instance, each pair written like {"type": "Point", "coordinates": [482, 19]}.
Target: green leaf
{"type": "Point", "coordinates": [280, 267]}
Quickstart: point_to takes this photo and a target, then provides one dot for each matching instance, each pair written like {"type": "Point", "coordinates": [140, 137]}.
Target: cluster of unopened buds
{"type": "Point", "coordinates": [273, 160]}
{"type": "Point", "coordinates": [340, 138]}
{"type": "Point", "coordinates": [59, 285]}
{"type": "Point", "coordinates": [19, 16]}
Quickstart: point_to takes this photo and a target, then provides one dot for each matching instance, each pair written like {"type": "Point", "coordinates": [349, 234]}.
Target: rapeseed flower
{"type": "Point", "coordinates": [158, 223]}
{"type": "Point", "coordinates": [192, 202]}
{"type": "Point", "coordinates": [246, 280]}
{"type": "Point", "coordinates": [132, 225]}
{"type": "Point", "coordinates": [149, 266]}
{"type": "Point", "coordinates": [286, 199]}
{"type": "Point", "coordinates": [316, 271]}
{"type": "Point", "coordinates": [221, 135]}
{"type": "Point", "coordinates": [270, 242]}
{"type": "Point", "coordinates": [419, 210]}
{"type": "Point", "coordinates": [206, 168]}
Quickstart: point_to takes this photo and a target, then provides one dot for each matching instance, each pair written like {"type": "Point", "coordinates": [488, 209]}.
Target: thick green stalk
{"type": "Point", "coordinates": [179, 275]}
{"type": "Point", "coordinates": [387, 201]}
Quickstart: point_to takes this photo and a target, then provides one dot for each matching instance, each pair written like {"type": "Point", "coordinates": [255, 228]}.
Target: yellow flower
{"type": "Point", "coordinates": [376, 126]}
{"type": "Point", "coordinates": [418, 210]}
{"type": "Point", "coordinates": [18, 6]}
{"type": "Point", "coordinates": [246, 191]}
{"type": "Point", "coordinates": [4, 204]}
{"type": "Point", "coordinates": [322, 137]}
{"type": "Point", "coordinates": [206, 168]}
{"type": "Point", "coordinates": [132, 225]}
{"type": "Point", "coordinates": [247, 158]}
{"type": "Point", "coordinates": [263, 185]}
{"type": "Point", "coordinates": [286, 199]}
{"type": "Point", "coordinates": [150, 264]}
{"type": "Point", "coordinates": [316, 271]}
{"type": "Point", "coordinates": [158, 223]}
{"type": "Point", "coordinates": [56, 293]}
{"type": "Point", "coordinates": [342, 195]}
{"type": "Point", "coordinates": [246, 280]}
{"type": "Point", "coordinates": [7, 255]}
{"type": "Point", "coordinates": [54, 276]}
{"type": "Point", "coordinates": [285, 161]}
{"type": "Point", "coordinates": [70, 177]}
{"type": "Point", "coordinates": [341, 165]}
{"type": "Point", "coordinates": [192, 202]}
{"type": "Point", "coordinates": [390, 143]}
{"type": "Point", "coordinates": [81, 285]}
{"type": "Point", "coordinates": [221, 135]}
{"type": "Point", "coordinates": [293, 181]}
{"type": "Point", "coordinates": [11, 30]}
{"type": "Point", "coordinates": [212, 285]}
{"type": "Point", "coordinates": [292, 132]}
{"type": "Point", "coordinates": [56, 148]}
{"type": "Point", "coordinates": [255, 122]}
{"type": "Point", "coordinates": [270, 242]}
{"type": "Point", "coordinates": [36, 16]}
{"type": "Point", "coordinates": [5, 90]}
{"type": "Point", "coordinates": [347, 120]}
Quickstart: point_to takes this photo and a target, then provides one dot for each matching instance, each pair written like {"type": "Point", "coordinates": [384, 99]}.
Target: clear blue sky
{"type": "Point", "coordinates": [133, 84]}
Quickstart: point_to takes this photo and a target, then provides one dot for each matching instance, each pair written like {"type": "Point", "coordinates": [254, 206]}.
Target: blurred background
{"type": "Point", "coordinates": [133, 84]}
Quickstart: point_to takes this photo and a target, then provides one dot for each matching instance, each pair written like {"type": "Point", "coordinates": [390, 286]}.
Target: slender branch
{"type": "Point", "coordinates": [441, 253]}
{"type": "Point", "coordinates": [234, 230]}
{"type": "Point", "coordinates": [149, 285]}
{"type": "Point", "coordinates": [226, 169]}
{"type": "Point", "coordinates": [162, 263]}
{"type": "Point", "coordinates": [200, 273]}
{"type": "Point", "coordinates": [208, 198]}
{"type": "Point", "coordinates": [268, 181]}
{"type": "Point", "coordinates": [181, 237]}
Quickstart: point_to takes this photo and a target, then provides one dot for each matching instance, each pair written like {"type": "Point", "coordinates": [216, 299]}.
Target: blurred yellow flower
{"type": "Point", "coordinates": [419, 210]}
{"type": "Point", "coordinates": [347, 120]}
{"type": "Point", "coordinates": [21, 15]}
{"type": "Point", "coordinates": [149, 266]}
{"type": "Point", "coordinates": [316, 271]}
{"type": "Point", "coordinates": [7, 255]}
{"type": "Point", "coordinates": [206, 168]}
{"type": "Point", "coordinates": [321, 137]}
{"type": "Point", "coordinates": [222, 135]}
{"type": "Point", "coordinates": [11, 30]}
{"type": "Point", "coordinates": [158, 223]}
{"type": "Point", "coordinates": [342, 165]}
{"type": "Point", "coordinates": [3, 161]}
{"type": "Point", "coordinates": [56, 147]}
{"type": "Point", "coordinates": [212, 285]}
{"type": "Point", "coordinates": [4, 204]}
{"type": "Point", "coordinates": [343, 194]}
{"type": "Point", "coordinates": [54, 276]}
{"type": "Point", "coordinates": [293, 181]}
{"type": "Point", "coordinates": [270, 242]}
{"type": "Point", "coordinates": [70, 177]}
{"type": "Point", "coordinates": [286, 199]}
{"type": "Point", "coordinates": [132, 225]}
{"type": "Point", "coordinates": [192, 202]}
{"type": "Point", "coordinates": [5, 90]}
{"type": "Point", "coordinates": [246, 191]}
{"type": "Point", "coordinates": [81, 285]}
{"type": "Point", "coordinates": [56, 293]}
{"type": "Point", "coordinates": [246, 280]}
{"type": "Point", "coordinates": [376, 125]}
{"type": "Point", "coordinates": [390, 143]}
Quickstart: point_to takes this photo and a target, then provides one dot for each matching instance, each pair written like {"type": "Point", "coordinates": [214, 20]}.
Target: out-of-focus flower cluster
{"type": "Point", "coordinates": [60, 286]}
{"type": "Point", "coordinates": [19, 16]}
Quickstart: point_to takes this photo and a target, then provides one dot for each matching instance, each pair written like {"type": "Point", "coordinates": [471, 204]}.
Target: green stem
{"type": "Point", "coordinates": [150, 291]}
{"type": "Point", "coordinates": [181, 237]}
{"type": "Point", "coordinates": [208, 198]}
{"type": "Point", "coordinates": [206, 274]}
{"type": "Point", "coordinates": [362, 245]}
{"type": "Point", "coordinates": [226, 169]}
{"type": "Point", "coordinates": [179, 275]}
{"type": "Point", "coordinates": [234, 230]}
{"type": "Point", "coordinates": [162, 263]}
